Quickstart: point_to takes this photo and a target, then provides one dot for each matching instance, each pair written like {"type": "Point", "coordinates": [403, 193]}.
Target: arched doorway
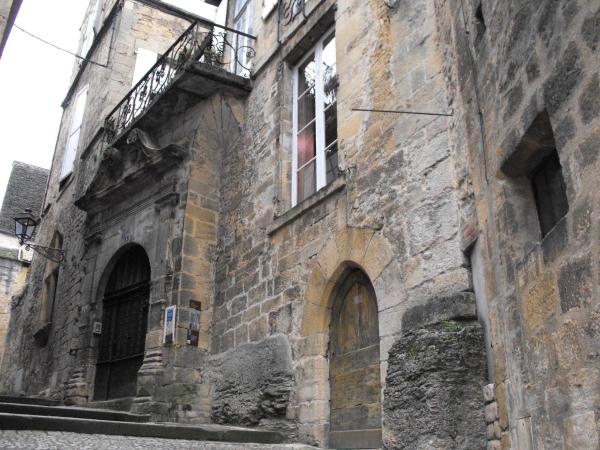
{"type": "Point", "coordinates": [355, 385]}
{"type": "Point", "coordinates": [124, 320]}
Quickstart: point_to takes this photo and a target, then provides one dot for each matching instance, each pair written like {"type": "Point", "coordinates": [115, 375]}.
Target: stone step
{"type": "Point", "coordinates": [71, 411]}
{"type": "Point", "coordinates": [117, 404]}
{"type": "Point", "coordinates": [220, 433]}
{"type": "Point", "coordinates": [29, 400]}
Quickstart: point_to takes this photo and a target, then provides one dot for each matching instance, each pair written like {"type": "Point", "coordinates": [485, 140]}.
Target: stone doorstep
{"type": "Point", "coordinates": [28, 400]}
{"type": "Point", "coordinates": [72, 411]}
{"type": "Point", "coordinates": [157, 430]}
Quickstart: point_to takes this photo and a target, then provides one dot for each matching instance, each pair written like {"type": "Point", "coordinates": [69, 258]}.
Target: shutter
{"type": "Point", "coordinates": [143, 63]}
{"type": "Point", "coordinates": [74, 132]}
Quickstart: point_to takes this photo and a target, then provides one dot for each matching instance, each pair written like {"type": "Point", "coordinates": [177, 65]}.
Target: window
{"type": "Point", "coordinates": [74, 131]}
{"type": "Point", "coordinates": [242, 22]}
{"type": "Point", "coordinates": [535, 161]}
{"type": "Point", "coordinates": [144, 61]}
{"type": "Point", "coordinates": [550, 193]}
{"type": "Point", "coordinates": [91, 28]}
{"type": "Point", "coordinates": [314, 148]}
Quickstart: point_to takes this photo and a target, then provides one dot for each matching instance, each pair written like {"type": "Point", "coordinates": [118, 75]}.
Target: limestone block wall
{"type": "Point", "coordinates": [505, 66]}
{"type": "Point", "coordinates": [12, 279]}
{"type": "Point", "coordinates": [395, 212]}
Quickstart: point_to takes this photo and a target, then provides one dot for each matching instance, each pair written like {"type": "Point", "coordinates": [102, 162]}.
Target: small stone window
{"type": "Point", "coordinates": [549, 191]}
{"type": "Point", "coordinates": [536, 158]}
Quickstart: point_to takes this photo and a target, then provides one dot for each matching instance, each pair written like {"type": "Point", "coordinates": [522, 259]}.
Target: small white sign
{"type": "Point", "coordinates": [97, 328]}
{"type": "Point", "coordinates": [169, 324]}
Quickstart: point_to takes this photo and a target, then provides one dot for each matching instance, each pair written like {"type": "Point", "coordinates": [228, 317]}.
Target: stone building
{"type": "Point", "coordinates": [340, 219]}
{"type": "Point", "coordinates": [25, 190]}
{"type": "Point", "coordinates": [8, 12]}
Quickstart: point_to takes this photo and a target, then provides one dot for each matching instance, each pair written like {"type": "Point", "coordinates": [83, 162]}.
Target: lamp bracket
{"type": "Point", "coordinates": [53, 254]}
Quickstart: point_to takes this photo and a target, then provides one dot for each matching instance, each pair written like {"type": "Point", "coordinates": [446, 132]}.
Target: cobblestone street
{"type": "Point", "coordinates": [55, 440]}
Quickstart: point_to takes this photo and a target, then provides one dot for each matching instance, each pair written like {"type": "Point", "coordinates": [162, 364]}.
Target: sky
{"type": "Point", "coordinates": [34, 79]}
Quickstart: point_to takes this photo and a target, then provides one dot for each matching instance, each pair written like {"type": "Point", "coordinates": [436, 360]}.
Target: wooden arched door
{"type": "Point", "coordinates": [124, 320]}
{"type": "Point", "coordinates": [355, 384]}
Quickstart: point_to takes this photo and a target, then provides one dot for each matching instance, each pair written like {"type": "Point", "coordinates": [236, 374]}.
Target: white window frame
{"type": "Point", "coordinates": [242, 41]}
{"type": "Point", "coordinates": [320, 169]}
{"type": "Point", "coordinates": [77, 114]}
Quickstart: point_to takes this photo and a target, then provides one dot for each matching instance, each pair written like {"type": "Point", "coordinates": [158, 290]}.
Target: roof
{"type": "Point", "coordinates": [25, 190]}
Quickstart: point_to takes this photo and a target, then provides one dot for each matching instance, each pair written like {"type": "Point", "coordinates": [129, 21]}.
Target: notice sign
{"type": "Point", "coordinates": [170, 324]}
{"type": "Point", "coordinates": [193, 331]}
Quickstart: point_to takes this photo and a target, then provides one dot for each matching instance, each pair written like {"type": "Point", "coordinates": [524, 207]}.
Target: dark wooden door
{"type": "Point", "coordinates": [354, 367]}
{"type": "Point", "coordinates": [124, 319]}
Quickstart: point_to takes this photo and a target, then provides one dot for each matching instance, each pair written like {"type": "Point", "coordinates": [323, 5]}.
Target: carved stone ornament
{"type": "Point", "coordinates": [128, 169]}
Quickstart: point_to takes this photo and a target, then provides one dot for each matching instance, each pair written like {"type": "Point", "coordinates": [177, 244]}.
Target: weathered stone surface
{"type": "Point", "coordinates": [575, 284]}
{"type": "Point", "coordinates": [433, 388]}
{"type": "Point", "coordinates": [460, 306]}
{"type": "Point", "coordinates": [251, 383]}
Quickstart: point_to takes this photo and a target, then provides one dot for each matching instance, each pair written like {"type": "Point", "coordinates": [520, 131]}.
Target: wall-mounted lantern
{"type": "Point", "coordinates": [24, 230]}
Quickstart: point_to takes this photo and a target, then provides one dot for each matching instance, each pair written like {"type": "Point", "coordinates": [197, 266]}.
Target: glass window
{"type": "Point", "coordinates": [243, 22]}
{"type": "Point", "coordinates": [315, 160]}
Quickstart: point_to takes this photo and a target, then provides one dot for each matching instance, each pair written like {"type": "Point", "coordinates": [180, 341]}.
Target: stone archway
{"type": "Point", "coordinates": [352, 249]}
{"type": "Point", "coordinates": [354, 375]}
{"type": "Point", "coordinates": [124, 322]}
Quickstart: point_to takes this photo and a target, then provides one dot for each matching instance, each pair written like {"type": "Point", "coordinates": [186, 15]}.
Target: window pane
{"type": "Point", "coordinates": [331, 163]}
{"type": "Point", "coordinates": [329, 71]}
{"type": "Point", "coordinates": [306, 145]}
{"type": "Point", "coordinates": [330, 124]}
{"type": "Point", "coordinates": [306, 76]}
{"type": "Point", "coordinates": [238, 6]}
{"type": "Point", "coordinates": [306, 181]}
{"type": "Point", "coordinates": [306, 109]}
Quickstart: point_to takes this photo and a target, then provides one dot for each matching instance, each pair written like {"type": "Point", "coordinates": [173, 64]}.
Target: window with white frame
{"type": "Point", "coordinates": [314, 147]}
{"type": "Point", "coordinates": [74, 131]}
{"type": "Point", "coordinates": [242, 21]}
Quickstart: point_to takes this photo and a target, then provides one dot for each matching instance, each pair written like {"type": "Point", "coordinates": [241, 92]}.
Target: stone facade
{"type": "Point", "coordinates": [25, 190]}
{"type": "Point", "coordinates": [202, 182]}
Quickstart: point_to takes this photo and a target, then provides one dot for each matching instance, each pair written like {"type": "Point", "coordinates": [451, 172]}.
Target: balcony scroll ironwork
{"type": "Point", "coordinates": [203, 42]}
{"type": "Point", "coordinates": [289, 10]}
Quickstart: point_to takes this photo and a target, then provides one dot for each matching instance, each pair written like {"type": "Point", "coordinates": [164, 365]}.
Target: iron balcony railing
{"type": "Point", "coordinates": [204, 42]}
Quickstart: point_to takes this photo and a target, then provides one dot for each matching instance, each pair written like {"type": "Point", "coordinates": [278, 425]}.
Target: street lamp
{"type": "Point", "coordinates": [25, 228]}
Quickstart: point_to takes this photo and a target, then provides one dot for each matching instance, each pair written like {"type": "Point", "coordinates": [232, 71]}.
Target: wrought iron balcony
{"type": "Point", "coordinates": [203, 42]}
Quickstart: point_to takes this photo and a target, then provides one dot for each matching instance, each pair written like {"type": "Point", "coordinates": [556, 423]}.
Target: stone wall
{"type": "Point", "coordinates": [505, 65]}
{"type": "Point", "coordinates": [433, 395]}
{"type": "Point", "coordinates": [12, 280]}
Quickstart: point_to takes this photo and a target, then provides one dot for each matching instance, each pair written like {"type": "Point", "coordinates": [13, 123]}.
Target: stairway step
{"type": "Point", "coordinates": [29, 400]}
{"type": "Point", "coordinates": [72, 411]}
{"type": "Point", "coordinates": [221, 433]}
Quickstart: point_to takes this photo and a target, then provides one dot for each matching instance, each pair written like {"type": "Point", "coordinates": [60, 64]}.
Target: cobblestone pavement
{"type": "Point", "coordinates": [56, 440]}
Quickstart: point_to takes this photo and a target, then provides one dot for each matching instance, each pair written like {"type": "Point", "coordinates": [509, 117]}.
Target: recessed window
{"type": "Point", "coordinates": [74, 132]}
{"type": "Point", "coordinates": [314, 148]}
{"type": "Point", "coordinates": [550, 193]}
{"type": "Point", "coordinates": [536, 158]}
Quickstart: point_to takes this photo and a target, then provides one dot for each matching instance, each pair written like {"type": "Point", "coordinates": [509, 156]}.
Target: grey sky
{"type": "Point", "coordinates": [34, 79]}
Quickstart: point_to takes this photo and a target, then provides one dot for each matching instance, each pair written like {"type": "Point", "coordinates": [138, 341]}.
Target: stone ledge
{"type": "Point", "coordinates": [319, 196]}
